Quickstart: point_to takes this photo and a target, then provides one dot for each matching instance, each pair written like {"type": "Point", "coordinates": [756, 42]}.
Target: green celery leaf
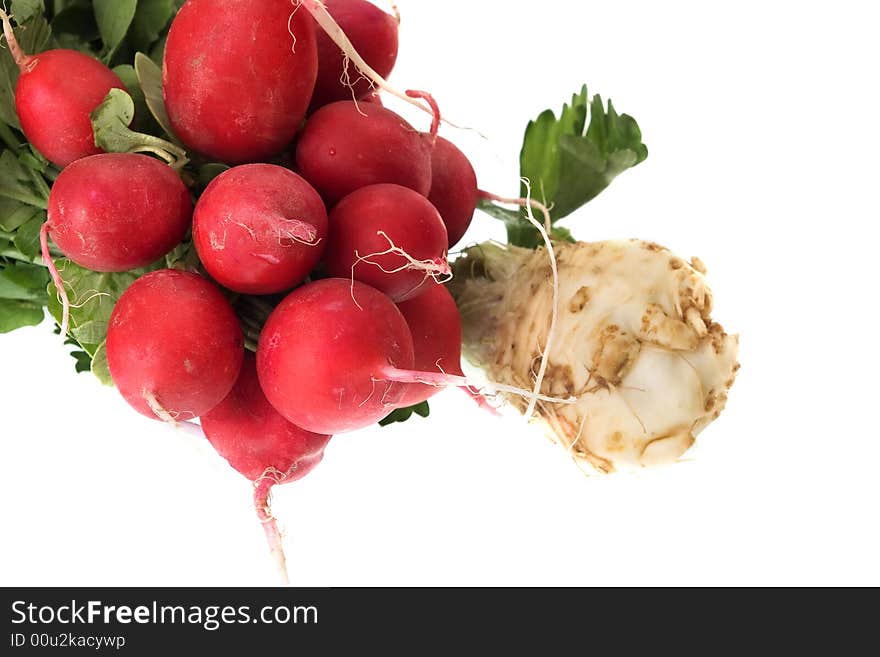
{"type": "Point", "coordinates": [113, 18]}
{"type": "Point", "coordinates": [403, 414]}
{"type": "Point", "coordinates": [568, 161]}
{"type": "Point", "coordinates": [92, 298]}
{"type": "Point", "coordinates": [16, 314]}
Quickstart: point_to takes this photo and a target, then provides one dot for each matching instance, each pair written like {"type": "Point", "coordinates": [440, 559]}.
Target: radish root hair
{"type": "Point", "coordinates": [56, 279]}
{"type": "Point", "coordinates": [445, 380]}
{"type": "Point", "coordinates": [325, 21]}
{"type": "Point", "coordinates": [528, 203]}
{"type": "Point", "coordinates": [158, 409]}
{"type": "Point", "coordinates": [437, 268]}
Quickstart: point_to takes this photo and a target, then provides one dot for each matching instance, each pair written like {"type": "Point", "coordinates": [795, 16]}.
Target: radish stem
{"type": "Point", "coordinates": [262, 490]}
{"type": "Point", "coordinates": [319, 12]}
{"type": "Point", "coordinates": [21, 60]}
{"type": "Point", "coordinates": [56, 279]}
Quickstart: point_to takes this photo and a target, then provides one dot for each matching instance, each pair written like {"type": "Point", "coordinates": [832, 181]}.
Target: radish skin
{"type": "Point", "coordinates": [55, 93]}
{"type": "Point", "coordinates": [374, 35]}
{"type": "Point", "coordinates": [174, 345]}
{"type": "Point", "coordinates": [264, 447]}
{"type": "Point", "coordinates": [238, 76]}
{"type": "Point", "coordinates": [259, 229]}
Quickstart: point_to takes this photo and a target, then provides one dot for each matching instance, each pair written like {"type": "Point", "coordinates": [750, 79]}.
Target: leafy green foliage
{"type": "Point", "coordinates": [112, 30]}
{"type": "Point", "coordinates": [110, 121]}
{"type": "Point", "coordinates": [114, 18]}
{"type": "Point", "coordinates": [93, 295]}
{"type": "Point", "coordinates": [16, 314]}
{"type": "Point", "coordinates": [403, 414]}
{"type": "Point", "coordinates": [150, 77]}
{"type": "Point", "coordinates": [24, 10]}
{"type": "Point", "coordinates": [33, 37]}
{"type": "Point", "coordinates": [568, 161]}
{"type": "Point", "coordinates": [149, 20]}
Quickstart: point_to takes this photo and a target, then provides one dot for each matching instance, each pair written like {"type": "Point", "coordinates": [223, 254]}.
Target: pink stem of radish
{"type": "Point", "coordinates": [262, 490]}
{"type": "Point", "coordinates": [435, 108]}
{"type": "Point", "coordinates": [326, 22]}
{"type": "Point", "coordinates": [442, 380]}
{"type": "Point", "coordinates": [523, 202]}
{"type": "Point", "coordinates": [480, 400]}
{"type": "Point", "coordinates": [56, 278]}
{"type": "Point", "coordinates": [22, 61]}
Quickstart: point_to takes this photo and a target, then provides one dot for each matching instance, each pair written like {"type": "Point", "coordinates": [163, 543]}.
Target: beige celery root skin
{"type": "Point", "coordinates": [634, 343]}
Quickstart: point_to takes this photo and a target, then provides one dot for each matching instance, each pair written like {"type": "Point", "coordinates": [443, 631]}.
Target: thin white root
{"type": "Point", "coordinates": [158, 409]}
{"type": "Point", "coordinates": [446, 380]}
{"type": "Point", "coordinates": [528, 203]}
{"type": "Point", "coordinates": [319, 12]}
{"type": "Point", "coordinates": [437, 269]}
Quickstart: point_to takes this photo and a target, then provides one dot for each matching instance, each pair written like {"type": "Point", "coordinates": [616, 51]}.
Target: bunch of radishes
{"type": "Point", "coordinates": [368, 328]}
{"type": "Point", "coordinates": [302, 231]}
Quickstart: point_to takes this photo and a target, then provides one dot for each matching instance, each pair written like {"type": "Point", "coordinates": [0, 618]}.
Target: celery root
{"type": "Point", "coordinates": [634, 343]}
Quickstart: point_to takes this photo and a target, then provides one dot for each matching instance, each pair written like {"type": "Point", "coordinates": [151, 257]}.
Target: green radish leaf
{"type": "Point", "coordinates": [21, 281]}
{"type": "Point", "coordinates": [14, 214]}
{"type": "Point", "coordinates": [16, 314]}
{"type": "Point", "coordinates": [24, 10]}
{"type": "Point", "coordinates": [207, 172]}
{"type": "Point", "coordinates": [114, 18]}
{"type": "Point", "coordinates": [110, 121]}
{"type": "Point", "coordinates": [403, 414]}
{"type": "Point", "coordinates": [149, 20]}
{"type": "Point", "coordinates": [92, 297]}
{"type": "Point", "coordinates": [150, 77]}
{"type": "Point", "coordinates": [27, 237]}
{"type": "Point", "coordinates": [75, 27]}
{"type": "Point", "coordinates": [143, 118]}
{"type": "Point", "coordinates": [33, 36]}
{"type": "Point", "coordinates": [99, 365]}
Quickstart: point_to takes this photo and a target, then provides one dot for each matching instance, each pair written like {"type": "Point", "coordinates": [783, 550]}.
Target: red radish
{"type": "Point", "coordinates": [346, 145]}
{"type": "Point", "coordinates": [238, 76]}
{"type": "Point", "coordinates": [454, 190]}
{"type": "Point", "coordinates": [118, 211]}
{"type": "Point", "coordinates": [267, 449]}
{"type": "Point", "coordinates": [174, 345]}
{"type": "Point", "coordinates": [372, 32]}
{"type": "Point", "coordinates": [323, 353]}
{"type": "Point", "coordinates": [389, 237]}
{"type": "Point", "coordinates": [259, 228]}
{"type": "Point", "coordinates": [114, 212]}
{"type": "Point", "coordinates": [55, 93]}
{"type": "Point", "coordinates": [435, 325]}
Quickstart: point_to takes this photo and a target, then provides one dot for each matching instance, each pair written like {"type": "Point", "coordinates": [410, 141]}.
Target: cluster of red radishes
{"type": "Point", "coordinates": [368, 327]}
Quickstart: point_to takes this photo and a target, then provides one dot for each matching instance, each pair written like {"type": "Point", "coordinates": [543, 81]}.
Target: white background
{"type": "Point", "coordinates": [761, 120]}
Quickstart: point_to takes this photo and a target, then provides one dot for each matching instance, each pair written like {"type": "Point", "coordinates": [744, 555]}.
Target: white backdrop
{"type": "Point", "coordinates": [760, 119]}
